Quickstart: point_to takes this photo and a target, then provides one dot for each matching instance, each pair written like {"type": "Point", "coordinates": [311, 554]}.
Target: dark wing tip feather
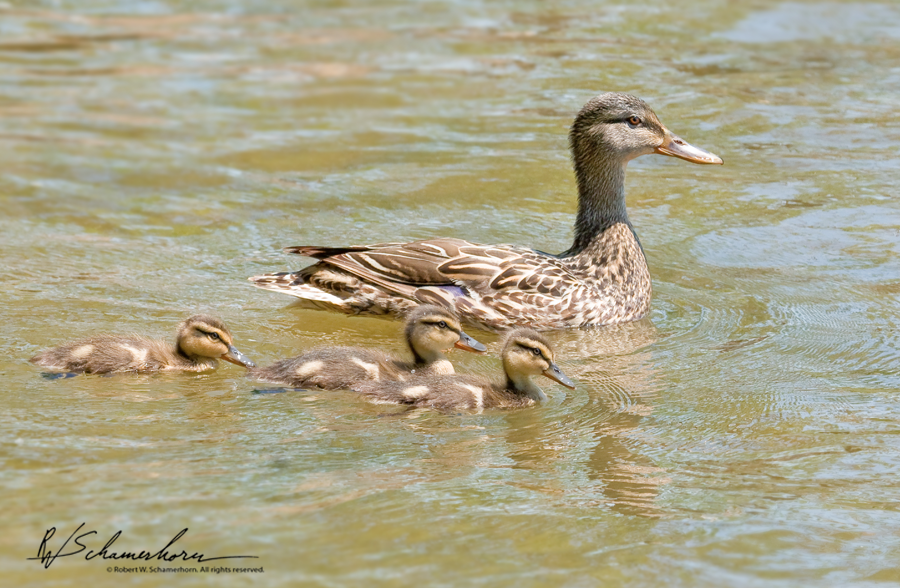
{"type": "Point", "coordinates": [322, 252]}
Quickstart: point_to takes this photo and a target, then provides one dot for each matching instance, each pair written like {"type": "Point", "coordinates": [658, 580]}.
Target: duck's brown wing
{"type": "Point", "coordinates": [485, 270]}
{"type": "Point", "coordinates": [405, 263]}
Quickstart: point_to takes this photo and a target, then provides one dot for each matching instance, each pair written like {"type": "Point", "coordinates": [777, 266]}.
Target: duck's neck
{"type": "Point", "coordinates": [193, 362]}
{"type": "Point", "coordinates": [182, 355]}
{"type": "Point", "coordinates": [431, 357]}
{"type": "Point", "coordinates": [601, 198]}
{"type": "Point", "coordinates": [525, 386]}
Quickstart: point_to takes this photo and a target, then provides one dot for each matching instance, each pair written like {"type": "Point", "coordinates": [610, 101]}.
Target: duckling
{"type": "Point", "coordinates": [200, 341]}
{"type": "Point", "coordinates": [429, 330]}
{"type": "Point", "coordinates": [525, 353]}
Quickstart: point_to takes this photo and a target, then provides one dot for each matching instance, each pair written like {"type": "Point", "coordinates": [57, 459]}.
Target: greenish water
{"type": "Point", "coordinates": [155, 154]}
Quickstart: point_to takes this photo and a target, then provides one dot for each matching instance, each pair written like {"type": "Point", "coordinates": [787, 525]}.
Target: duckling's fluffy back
{"type": "Point", "coordinates": [102, 354]}
{"type": "Point", "coordinates": [336, 368]}
{"type": "Point", "coordinates": [445, 393]}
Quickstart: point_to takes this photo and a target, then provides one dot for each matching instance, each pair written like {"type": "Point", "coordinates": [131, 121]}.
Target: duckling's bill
{"type": "Point", "coordinates": [469, 344]}
{"type": "Point", "coordinates": [674, 146]}
{"type": "Point", "coordinates": [554, 373]}
{"type": "Point", "coordinates": [236, 357]}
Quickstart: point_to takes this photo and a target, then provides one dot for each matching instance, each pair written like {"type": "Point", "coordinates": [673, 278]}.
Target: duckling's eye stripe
{"type": "Point", "coordinates": [537, 351]}
{"type": "Point", "coordinates": [438, 323]}
{"type": "Point", "coordinates": [531, 349]}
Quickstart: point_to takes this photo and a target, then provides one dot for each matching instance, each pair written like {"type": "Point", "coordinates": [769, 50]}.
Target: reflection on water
{"type": "Point", "coordinates": [156, 154]}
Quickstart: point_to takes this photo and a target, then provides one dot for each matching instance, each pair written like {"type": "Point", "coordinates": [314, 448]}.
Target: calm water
{"type": "Point", "coordinates": [155, 154]}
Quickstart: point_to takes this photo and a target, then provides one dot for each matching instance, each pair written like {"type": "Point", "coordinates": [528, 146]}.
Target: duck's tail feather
{"type": "Point", "coordinates": [333, 291]}
{"type": "Point", "coordinates": [309, 296]}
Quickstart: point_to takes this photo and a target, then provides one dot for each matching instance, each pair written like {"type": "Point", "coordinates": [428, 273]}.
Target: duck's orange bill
{"type": "Point", "coordinates": [677, 147]}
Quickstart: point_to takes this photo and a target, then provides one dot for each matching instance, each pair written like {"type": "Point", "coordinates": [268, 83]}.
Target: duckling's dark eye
{"type": "Point", "coordinates": [536, 351]}
{"type": "Point", "coordinates": [634, 121]}
{"type": "Point", "coordinates": [442, 324]}
{"type": "Point", "coordinates": [213, 336]}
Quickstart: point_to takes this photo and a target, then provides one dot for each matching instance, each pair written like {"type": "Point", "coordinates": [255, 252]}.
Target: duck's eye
{"type": "Point", "coordinates": [634, 120]}
{"type": "Point", "coordinates": [536, 351]}
{"type": "Point", "coordinates": [213, 336]}
{"type": "Point", "coordinates": [442, 324]}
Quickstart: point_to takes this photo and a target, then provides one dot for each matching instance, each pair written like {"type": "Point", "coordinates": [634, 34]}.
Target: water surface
{"type": "Point", "coordinates": [744, 434]}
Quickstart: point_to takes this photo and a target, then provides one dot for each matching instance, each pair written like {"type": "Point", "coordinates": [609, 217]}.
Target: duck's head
{"type": "Point", "coordinates": [430, 330]}
{"type": "Point", "coordinates": [207, 337]}
{"type": "Point", "coordinates": [527, 353]}
{"type": "Point", "coordinates": [623, 127]}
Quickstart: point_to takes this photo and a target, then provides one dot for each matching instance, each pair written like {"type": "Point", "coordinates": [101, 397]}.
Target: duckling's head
{"type": "Point", "coordinates": [527, 353]}
{"type": "Point", "coordinates": [204, 336]}
{"type": "Point", "coordinates": [622, 127]}
{"type": "Point", "coordinates": [430, 330]}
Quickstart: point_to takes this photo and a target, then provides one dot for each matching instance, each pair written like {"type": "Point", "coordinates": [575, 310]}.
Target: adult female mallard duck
{"type": "Point", "coordinates": [429, 331]}
{"type": "Point", "coordinates": [525, 354]}
{"type": "Point", "coordinates": [200, 341]}
{"type": "Point", "coordinates": [601, 279]}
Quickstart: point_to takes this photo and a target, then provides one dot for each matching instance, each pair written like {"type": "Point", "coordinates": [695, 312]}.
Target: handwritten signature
{"type": "Point", "coordinates": [47, 556]}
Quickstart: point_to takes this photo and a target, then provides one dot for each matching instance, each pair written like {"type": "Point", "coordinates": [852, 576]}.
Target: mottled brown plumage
{"type": "Point", "coordinates": [199, 342]}
{"type": "Point", "coordinates": [525, 354]}
{"type": "Point", "coordinates": [601, 279]}
{"type": "Point", "coordinates": [430, 330]}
